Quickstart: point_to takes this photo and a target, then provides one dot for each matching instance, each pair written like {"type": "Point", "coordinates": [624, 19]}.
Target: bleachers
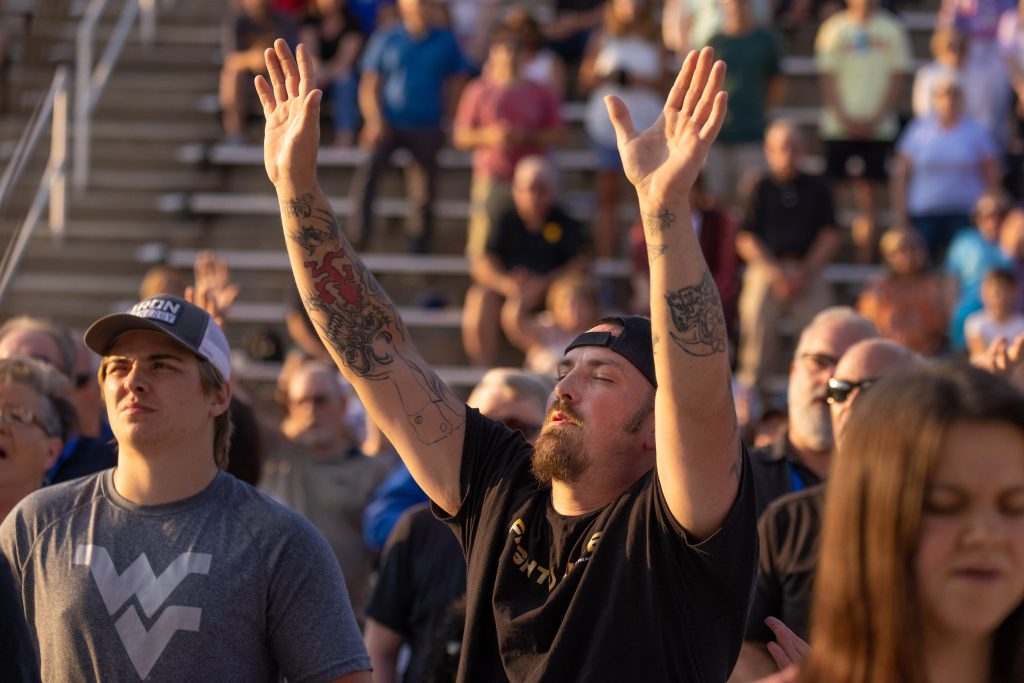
{"type": "Point", "coordinates": [163, 188]}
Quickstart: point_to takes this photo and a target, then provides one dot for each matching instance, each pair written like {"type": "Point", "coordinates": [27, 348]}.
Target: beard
{"type": "Point", "coordinates": [812, 423]}
{"type": "Point", "coordinates": [558, 453]}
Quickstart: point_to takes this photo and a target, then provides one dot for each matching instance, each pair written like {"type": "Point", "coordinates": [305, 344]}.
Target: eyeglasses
{"type": "Point", "coordinates": [819, 361]}
{"type": "Point", "coordinates": [18, 415]}
{"type": "Point", "coordinates": [839, 389]}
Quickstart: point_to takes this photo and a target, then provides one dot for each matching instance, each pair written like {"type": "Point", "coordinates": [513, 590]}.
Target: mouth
{"type": "Point", "coordinates": [135, 409]}
{"type": "Point", "coordinates": [3, 453]}
{"type": "Point", "coordinates": [978, 574]}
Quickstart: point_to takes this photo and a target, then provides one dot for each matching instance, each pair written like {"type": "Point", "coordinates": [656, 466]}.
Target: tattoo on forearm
{"type": "Point", "coordinates": [300, 207]}
{"type": "Point", "coordinates": [358, 321]}
{"type": "Point", "coordinates": [659, 222]}
{"type": "Point", "coordinates": [656, 251]}
{"type": "Point", "coordinates": [698, 318]}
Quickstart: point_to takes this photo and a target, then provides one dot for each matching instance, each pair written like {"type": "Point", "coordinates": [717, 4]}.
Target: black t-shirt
{"type": "Point", "coordinates": [560, 240]}
{"type": "Point", "coordinates": [615, 595]}
{"type": "Point", "coordinates": [330, 44]}
{"type": "Point", "coordinates": [788, 216]}
{"type": "Point", "coordinates": [790, 535]}
{"type": "Point", "coordinates": [777, 471]}
{"type": "Point", "coordinates": [422, 572]}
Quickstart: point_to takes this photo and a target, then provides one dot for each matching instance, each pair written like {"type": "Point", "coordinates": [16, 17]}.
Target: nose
{"type": "Point", "coordinates": [983, 527]}
{"type": "Point", "coordinates": [135, 381]}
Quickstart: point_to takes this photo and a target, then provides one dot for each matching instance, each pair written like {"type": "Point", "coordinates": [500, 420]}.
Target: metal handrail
{"type": "Point", "coordinates": [52, 188]}
{"type": "Point", "coordinates": [90, 81]}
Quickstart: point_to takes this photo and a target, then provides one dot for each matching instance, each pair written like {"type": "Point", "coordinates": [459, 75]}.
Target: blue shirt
{"type": "Point", "coordinates": [413, 72]}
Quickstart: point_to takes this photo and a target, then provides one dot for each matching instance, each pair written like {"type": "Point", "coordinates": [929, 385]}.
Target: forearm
{"type": "Point", "coordinates": [369, 98]}
{"type": "Point", "coordinates": [361, 328]}
{"type": "Point", "coordinates": [898, 182]}
{"type": "Point", "coordinates": [752, 251]}
{"type": "Point", "coordinates": [487, 273]}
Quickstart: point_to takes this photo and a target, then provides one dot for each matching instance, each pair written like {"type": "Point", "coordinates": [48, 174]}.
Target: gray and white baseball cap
{"type": "Point", "coordinates": [185, 323]}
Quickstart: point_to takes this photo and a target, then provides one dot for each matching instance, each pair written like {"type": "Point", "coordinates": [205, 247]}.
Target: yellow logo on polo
{"type": "Point", "coordinates": [552, 233]}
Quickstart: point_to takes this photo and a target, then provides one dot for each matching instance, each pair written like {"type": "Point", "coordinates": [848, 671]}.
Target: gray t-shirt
{"type": "Point", "coordinates": [227, 585]}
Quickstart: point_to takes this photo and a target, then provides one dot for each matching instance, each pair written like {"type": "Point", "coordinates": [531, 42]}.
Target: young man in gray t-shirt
{"type": "Point", "coordinates": [166, 568]}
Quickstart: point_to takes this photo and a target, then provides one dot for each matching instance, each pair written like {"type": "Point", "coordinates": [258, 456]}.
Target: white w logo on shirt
{"type": "Point", "coordinates": [144, 647]}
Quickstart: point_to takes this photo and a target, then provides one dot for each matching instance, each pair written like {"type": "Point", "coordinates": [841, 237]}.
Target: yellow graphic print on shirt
{"type": "Point", "coordinates": [544, 575]}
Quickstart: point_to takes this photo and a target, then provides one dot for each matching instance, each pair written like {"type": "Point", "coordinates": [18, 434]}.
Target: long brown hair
{"type": "Point", "coordinates": [865, 620]}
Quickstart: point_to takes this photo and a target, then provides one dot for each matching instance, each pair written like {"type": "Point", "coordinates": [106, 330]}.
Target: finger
{"type": "Point", "coordinates": [307, 70]}
{"type": "Point", "coordinates": [780, 657]}
{"type": "Point", "coordinates": [276, 75]}
{"type": "Point", "coordinates": [698, 82]}
{"type": "Point", "coordinates": [674, 102]}
{"type": "Point", "coordinates": [266, 96]}
{"type": "Point", "coordinates": [190, 294]}
{"type": "Point", "coordinates": [711, 90]}
{"type": "Point", "coordinates": [622, 121]}
{"type": "Point", "coordinates": [1016, 351]}
{"type": "Point", "coordinates": [291, 69]}
{"type": "Point", "coordinates": [717, 118]}
{"type": "Point", "coordinates": [311, 107]}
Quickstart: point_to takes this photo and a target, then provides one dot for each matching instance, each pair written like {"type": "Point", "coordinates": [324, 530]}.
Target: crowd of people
{"type": "Point", "coordinates": [610, 511]}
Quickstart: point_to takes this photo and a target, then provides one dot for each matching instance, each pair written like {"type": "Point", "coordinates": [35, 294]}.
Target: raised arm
{"type": "Point", "coordinates": [354, 317]}
{"type": "Point", "coordinates": [698, 452]}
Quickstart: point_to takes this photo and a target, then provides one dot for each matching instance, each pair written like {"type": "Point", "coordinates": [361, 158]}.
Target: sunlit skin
{"type": "Point", "coordinates": [970, 557]}
{"type": "Point", "coordinates": [31, 344]}
{"type": "Point", "coordinates": [871, 359]}
{"type": "Point", "coordinates": [597, 394]}
{"type": "Point", "coordinates": [316, 412]}
{"type": "Point", "coordinates": [26, 451]}
{"type": "Point", "coordinates": [155, 402]}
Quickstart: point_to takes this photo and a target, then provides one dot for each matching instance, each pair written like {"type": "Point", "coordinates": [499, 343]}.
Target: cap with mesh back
{"type": "Point", "coordinates": [633, 343]}
{"type": "Point", "coordinates": [185, 323]}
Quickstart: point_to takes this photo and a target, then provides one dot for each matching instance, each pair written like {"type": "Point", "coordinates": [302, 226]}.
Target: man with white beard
{"type": "Point", "coordinates": [800, 457]}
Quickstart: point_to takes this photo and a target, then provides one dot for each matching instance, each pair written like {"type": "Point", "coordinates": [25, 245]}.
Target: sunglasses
{"type": "Point", "coordinates": [839, 389]}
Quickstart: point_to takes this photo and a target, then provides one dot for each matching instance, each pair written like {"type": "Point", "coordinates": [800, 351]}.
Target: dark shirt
{"type": "Point", "coordinates": [619, 594]}
{"type": "Point", "coordinates": [777, 471]}
{"type": "Point", "coordinates": [787, 217]}
{"type": "Point", "coordinates": [17, 653]}
{"type": "Point", "coordinates": [329, 45]}
{"type": "Point", "coordinates": [790, 536]}
{"type": "Point", "coordinates": [245, 455]}
{"type": "Point", "coordinates": [422, 572]}
{"type": "Point", "coordinates": [560, 240]}
{"type": "Point", "coordinates": [83, 455]}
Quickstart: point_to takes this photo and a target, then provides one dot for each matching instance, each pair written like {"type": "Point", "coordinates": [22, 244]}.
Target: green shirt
{"type": "Point", "coordinates": [753, 61]}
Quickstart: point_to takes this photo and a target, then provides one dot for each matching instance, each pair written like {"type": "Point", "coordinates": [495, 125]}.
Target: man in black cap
{"type": "Point", "coordinates": [623, 546]}
{"type": "Point", "coordinates": [165, 567]}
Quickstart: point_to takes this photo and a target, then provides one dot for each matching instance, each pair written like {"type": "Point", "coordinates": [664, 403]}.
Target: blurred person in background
{"type": "Point", "coordinates": [974, 251]}
{"type": "Point", "coordinates": [335, 36]}
{"type": "Point", "coordinates": [863, 58]}
{"type": "Point", "coordinates": [999, 316]}
{"type": "Point", "coordinates": [42, 340]}
{"type": "Point", "coordinates": [624, 58]}
{"type": "Point", "coordinates": [944, 163]}
{"type": "Point", "coordinates": [324, 476]}
{"type": "Point", "coordinates": [909, 303]}
{"type": "Point", "coordinates": [532, 243]}
{"type": "Point", "coordinates": [539, 63]}
{"type": "Point", "coordinates": [247, 32]}
{"type": "Point", "coordinates": [787, 238]}
{"type": "Point", "coordinates": [502, 117]}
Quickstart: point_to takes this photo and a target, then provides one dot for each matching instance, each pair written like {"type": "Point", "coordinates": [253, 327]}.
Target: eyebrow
{"type": "Point", "coordinates": [151, 357]}
{"type": "Point", "coordinates": [568, 363]}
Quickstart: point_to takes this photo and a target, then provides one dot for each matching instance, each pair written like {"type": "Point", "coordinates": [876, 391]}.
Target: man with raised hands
{"type": "Point", "coordinates": [622, 546]}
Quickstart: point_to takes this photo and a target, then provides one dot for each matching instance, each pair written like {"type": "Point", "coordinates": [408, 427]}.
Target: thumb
{"type": "Point", "coordinates": [621, 120]}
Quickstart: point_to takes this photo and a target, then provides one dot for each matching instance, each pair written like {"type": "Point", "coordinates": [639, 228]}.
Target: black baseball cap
{"type": "Point", "coordinates": [633, 343]}
{"type": "Point", "coordinates": [185, 323]}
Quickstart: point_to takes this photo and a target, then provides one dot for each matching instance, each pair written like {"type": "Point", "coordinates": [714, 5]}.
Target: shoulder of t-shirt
{"type": "Point", "coordinates": [52, 505]}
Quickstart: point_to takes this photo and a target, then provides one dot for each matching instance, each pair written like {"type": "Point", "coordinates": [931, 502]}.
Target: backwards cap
{"type": "Point", "coordinates": [185, 323]}
{"type": "Point", "coordinates": [633, 342]}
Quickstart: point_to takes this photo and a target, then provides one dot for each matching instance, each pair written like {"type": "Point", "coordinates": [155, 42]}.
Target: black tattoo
{"type": "Point", "coordinates": [659, 222]}
{"type": "Point", "coordinates": [656, 251]}
{"type": "Point", "coordinates": [358, 321]}
{"type": "Point", "coordinates": [300, 207]}
{"type": "Point", "coordinates": [698, 318]}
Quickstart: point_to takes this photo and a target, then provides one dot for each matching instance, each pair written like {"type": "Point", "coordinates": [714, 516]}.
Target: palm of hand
{"type": "Point", "coordinates": [291, 109]}
{"type": "Point", "coordinates": [663, 161]}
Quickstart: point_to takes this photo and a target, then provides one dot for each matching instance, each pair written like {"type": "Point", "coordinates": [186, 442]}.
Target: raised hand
{"type": "Point", "coordinates": [292, 110]}
{"type": "Point", "coordinates": [213, 290]}
{"type": "Point", "coordinates": [663, 161]}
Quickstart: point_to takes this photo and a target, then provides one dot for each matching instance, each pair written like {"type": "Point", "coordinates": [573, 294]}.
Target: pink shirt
{"type": "Point", "coordinates": [524, 105]}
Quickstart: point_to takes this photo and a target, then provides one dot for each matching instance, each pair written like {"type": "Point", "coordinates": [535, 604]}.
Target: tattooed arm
{"type": "Point", "coordinates": [698, 451]}
{"type": "Point", "coordinates": [354, 317]}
